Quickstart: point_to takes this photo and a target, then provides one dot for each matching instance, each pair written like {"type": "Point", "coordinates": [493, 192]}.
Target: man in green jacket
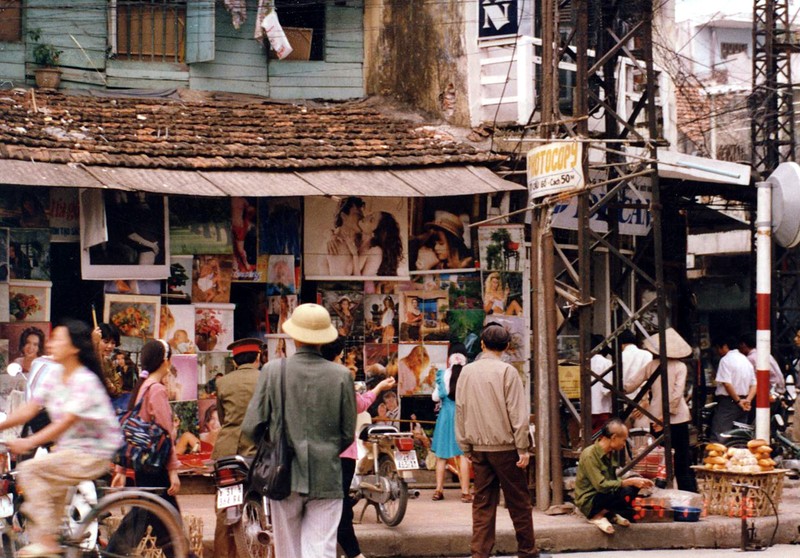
{"type": "Point", "coordinates": [599, 494]}
{"type": "Point", "coordinates": [320, 421]}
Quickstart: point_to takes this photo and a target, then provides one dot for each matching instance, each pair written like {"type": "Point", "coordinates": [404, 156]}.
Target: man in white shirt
{"type": "Point", "coordinates": [601, 395]}
{"type": "Point", "coordinates": [736, 387]}
{"type": "Point", "coordinates": [747, 346]}
{"type": "Point", "coordinates": [633, 360]}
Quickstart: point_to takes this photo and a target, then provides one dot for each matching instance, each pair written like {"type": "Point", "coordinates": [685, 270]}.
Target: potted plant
{"type": "Point", "coordinates": [46, 56]}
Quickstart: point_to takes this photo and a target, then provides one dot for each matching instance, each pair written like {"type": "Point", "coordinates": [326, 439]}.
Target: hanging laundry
{"type": "Point", "coordinates": [264, 7]}
{"type": "Point", "coordinates": [238, 10]}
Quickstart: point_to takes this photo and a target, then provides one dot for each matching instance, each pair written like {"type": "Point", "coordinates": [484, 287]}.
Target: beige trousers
{"type": "Point", "coordinates": [45, 482]}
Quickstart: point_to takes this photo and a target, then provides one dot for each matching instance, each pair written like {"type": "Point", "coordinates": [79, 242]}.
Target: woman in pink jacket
{"type": "Point", "coordinates": [155, 362]}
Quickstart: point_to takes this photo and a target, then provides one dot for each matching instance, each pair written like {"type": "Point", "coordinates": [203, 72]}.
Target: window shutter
{"type": "Point", "coordinates": [200, 29]}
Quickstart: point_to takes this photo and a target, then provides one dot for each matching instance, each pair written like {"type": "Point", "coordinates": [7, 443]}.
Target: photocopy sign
{"type": "Point", "coordinates": [555, 168]}
{"type": "Point", "coordinates": [497, 18]}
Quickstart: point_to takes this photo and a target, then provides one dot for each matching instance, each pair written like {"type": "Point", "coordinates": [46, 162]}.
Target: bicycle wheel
{"type": "Point", "coordinates": [393, 510]}
{"type": "Point", "coordinates": [130, 523]}
{"type": "Point", "coordinates": [253, 533]}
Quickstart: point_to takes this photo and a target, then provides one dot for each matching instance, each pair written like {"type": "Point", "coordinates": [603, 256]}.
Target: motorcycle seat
{"type": "Point", "coordinates": [373, 429]}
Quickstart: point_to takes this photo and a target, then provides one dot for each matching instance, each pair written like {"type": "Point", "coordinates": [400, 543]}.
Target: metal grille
{"type": "Point", "coordinates": [151, 30]}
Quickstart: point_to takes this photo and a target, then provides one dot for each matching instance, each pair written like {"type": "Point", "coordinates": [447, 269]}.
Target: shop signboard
{"type": "Point", "coordinates": [555, 168]}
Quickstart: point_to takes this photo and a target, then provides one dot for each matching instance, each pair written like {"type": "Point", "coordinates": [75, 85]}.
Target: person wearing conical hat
{"type": "Point", "coordinates": [679, 414]}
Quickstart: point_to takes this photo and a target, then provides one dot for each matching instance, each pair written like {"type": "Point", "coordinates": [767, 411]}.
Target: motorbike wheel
{"type": "Point", "coordinates": [245, 533]}
{"type": "Point", "coordinates": [392, 512]}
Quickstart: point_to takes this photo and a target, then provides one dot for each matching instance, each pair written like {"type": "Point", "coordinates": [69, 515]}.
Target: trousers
{"type": "Point", "coordinates": [495, 470]}
{"type": "Point", "coordinates": [305, 528]}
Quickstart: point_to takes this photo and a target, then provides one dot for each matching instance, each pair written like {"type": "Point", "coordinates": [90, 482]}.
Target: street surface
{"type": "Point", "coordinates": [778, 551]}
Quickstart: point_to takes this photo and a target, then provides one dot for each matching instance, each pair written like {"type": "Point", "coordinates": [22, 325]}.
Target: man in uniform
{"type": "Point", "coordinates": [234, 392]}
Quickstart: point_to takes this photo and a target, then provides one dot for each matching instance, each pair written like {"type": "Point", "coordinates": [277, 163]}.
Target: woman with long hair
{"type": "Point", "coordinates": [442, 246]}
{"type": "Point", "coordinates": [31, 346]}
{"type": "Point", "coordinates": [444, 434]}
{"type": "Point", "coordinates": [410, 370]}
{"type": "Point", "coordinates": [150, 390]}
{"type": "Point", "coordinates": [382, 250]}
{"type": "Point", "coordinates": [83, 426]}
{"type": "Point", "coordinates": [387, 320]}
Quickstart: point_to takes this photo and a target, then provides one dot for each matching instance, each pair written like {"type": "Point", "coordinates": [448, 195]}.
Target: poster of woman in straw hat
{"type": "Point", "coordinates": [356, 237]}
{"type": "Point", "coordinates": [441, 236]}
{"type": "Point", "coordinates": [347, 311]}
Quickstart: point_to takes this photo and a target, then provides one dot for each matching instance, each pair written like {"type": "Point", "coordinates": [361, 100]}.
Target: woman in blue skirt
{"type": "Point", "coordinates": [444, 436]}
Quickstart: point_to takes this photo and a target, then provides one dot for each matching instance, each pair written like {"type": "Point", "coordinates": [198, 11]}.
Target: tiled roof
{"type": "Point", "coordinates": [693, 111]}
{"type": "Point", "coordinates": [214, 134]}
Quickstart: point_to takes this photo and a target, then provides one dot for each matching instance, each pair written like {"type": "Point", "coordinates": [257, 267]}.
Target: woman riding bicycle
{"type": "Point", "coordinates": [83, 426]}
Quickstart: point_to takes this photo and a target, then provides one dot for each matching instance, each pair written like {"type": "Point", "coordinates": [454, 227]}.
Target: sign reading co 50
{"type": "Point", "coordinates": [497, 18]}
{"type": "Point", "coordinates": [554, 168]}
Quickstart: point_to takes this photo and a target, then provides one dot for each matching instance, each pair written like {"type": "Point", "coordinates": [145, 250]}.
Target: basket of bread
{"type": "Point", "coordinates": [755, 458]}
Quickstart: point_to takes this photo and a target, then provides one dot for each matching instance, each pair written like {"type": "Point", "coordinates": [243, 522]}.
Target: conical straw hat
{"type": "Point", "coordinates": [676, 346]}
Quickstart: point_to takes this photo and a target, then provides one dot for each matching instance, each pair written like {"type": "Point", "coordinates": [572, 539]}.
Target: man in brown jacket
{"type": "Point", "coordinates": [234, 392]}
{"type": "Point", "coordinates": [492, 430]}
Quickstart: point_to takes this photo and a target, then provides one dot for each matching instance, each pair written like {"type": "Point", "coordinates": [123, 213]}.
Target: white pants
{"type": "Point", "coordinates": [305, 528]}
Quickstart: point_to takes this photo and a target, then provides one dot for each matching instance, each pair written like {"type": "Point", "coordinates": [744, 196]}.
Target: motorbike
{"type": "Point", "coordinates": [385, 464]}
{"type": "Point", "coordinates": [245, 510]}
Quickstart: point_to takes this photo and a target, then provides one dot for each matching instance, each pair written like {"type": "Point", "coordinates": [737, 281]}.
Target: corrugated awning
{"type": "Point", "coordinates": [422, 182]}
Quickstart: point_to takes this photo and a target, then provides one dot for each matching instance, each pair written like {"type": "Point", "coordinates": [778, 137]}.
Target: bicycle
{"type": "Point", "coordinates": [122, 523]}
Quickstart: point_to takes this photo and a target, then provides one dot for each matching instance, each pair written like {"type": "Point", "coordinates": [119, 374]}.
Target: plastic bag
{"type": "Point", "coordinates": [277, 38]}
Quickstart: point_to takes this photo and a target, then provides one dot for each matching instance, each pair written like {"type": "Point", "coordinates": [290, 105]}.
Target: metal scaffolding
{"type": "Point", "coordinates": [620, 165]}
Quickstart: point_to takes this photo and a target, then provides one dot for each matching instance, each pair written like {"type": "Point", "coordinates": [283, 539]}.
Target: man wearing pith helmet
{"type": "Point", "coordinates": [234, 392]}
{"type": "Point", "coordinates": [320, 418]}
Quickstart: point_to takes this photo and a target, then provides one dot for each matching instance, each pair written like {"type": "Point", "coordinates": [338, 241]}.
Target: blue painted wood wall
{"type": "Point", "coordinates": [240, 63]}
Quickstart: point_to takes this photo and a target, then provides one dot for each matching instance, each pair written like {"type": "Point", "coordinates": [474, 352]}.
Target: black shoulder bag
{"type": "Point", "coordinates": [271, 471]}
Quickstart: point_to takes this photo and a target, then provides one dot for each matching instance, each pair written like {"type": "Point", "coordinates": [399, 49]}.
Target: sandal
{"type": "Point", "coordinates": [603, 524]}
{"type": "Point", "coordinates": [437, 495]}
{"type": "Point", "coordinates": [467, 498]}
{"type": "Point", "coordinates": [621, 521]}
{"type": "Point", "coordinates": [38, 550]}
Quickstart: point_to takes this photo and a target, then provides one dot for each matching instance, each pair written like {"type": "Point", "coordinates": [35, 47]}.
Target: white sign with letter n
{"type": "Point", "coordinates": [554, 168]}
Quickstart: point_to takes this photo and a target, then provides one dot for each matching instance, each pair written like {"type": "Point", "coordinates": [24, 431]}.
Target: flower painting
{"type": "Point", "coordinates": [29, 301]}
{"type": "Point", "coordinates": [135, 316]}
{"type": "Point", "coordinates": [213, 326]}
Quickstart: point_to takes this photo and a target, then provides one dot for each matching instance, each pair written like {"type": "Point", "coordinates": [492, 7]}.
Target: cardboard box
{"type": "Point", "coordinates": [300, 39]}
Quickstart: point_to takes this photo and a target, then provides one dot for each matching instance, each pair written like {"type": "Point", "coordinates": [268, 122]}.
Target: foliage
{"type": "Point", "coordinates": [177, 276]}
{"type": "Point", "coordinates": [132, 321]}
{"type": "Point", "coordinates": [44, 54]}
{"type": "Point", "coordinates": [207, 323]}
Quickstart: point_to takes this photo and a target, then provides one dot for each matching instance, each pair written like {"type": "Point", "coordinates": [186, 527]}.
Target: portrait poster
{"type": "Point", "coordinates": [466, 327]}
{"type": "Point", "coordinates": [280, 346]}
{"type": "Point", "coordinates": [136, 316]}
{"type": "Point", "coordinates": [179, 283]}
{"type": "Point", "coordinates": [517, 329]}
{"type": "Point", "coordinates": [279, 309]}
{"type": "Point", "coordinates": [417, 365]}
{"type": "Point", "coordinates": [24, 207]}
{"type": "Point", "coordinates": [211, 365]}
{"type": "Point", "coordinates": [380, 362]}
{"type": "Point", "coordinates": [424, 315]}
{"type": "Point", "coordinates": [177, 328]}
{"type": "Point", "coordinates": [181, 382]}
{"type": "Point", "coordinates": [381, 318]}
{"type": "Point", "coordinates": [347, 312]}
{"type": "Point", "coordinates": [213, 326]}
{"type": "Point", "coordinates": [132, 286]}
{"type": "Point", "coordinates": [211, 278]}
{"type": "Point", "coordinates": [279, 223]}
{"type": "Point", "coordinates": [29, 301]}
{"type": "Point", "coordinates": [199, 225]}
{"type": "Point", "coordinates": [386, 409]}
{"type": "Point", "coordinates": [441, 239]}
{"type": "Point", "coordinates": [184, 414]}
{"type": "Point", "coordinates": [355, 237]}
{"type": "Point", "coordinates": [13, 332]}
{"type": "Point", "coordinates": [124, 235]}
{"type": "Point", "coordinates": [353, 359]}
{"type": "Point", "coordinates": [421, 408]}
{"type": "Point", "coordinates": [502, 247]}
{"type": "Point", "coordinates": [208, 423]}
{"type": "Point", "coordinates": [249, 265]}
{"type": "Point", "coordinates": [502, 293]}
{"type": "Point", "coordinates": [281, 275]}
{"type": "Point", "coordinates": [64, 210]}
{"type": "Point", "coordinates": [29, 254]}
{"type": "Point", "coordinates": [5, 316]}
{"type": "Point", "coordinates": [4, 271]}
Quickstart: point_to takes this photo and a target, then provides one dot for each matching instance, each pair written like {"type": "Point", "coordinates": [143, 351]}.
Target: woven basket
{"type": "Point", "coordinates": [194, 531]}
{"type": "Point", "coordinates": [722, 498]}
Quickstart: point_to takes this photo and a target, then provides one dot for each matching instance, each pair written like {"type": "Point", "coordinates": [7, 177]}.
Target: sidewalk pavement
{"type": "Point", "coordinates": [443, 528]}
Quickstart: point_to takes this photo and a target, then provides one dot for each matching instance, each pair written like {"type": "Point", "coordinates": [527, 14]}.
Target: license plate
{"type": "Point", "coordinates": [228, 496]}
{"type": "Point", "coordinates": [406, 460]}
{"type": "Point", "coordinates": [7, 505]}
